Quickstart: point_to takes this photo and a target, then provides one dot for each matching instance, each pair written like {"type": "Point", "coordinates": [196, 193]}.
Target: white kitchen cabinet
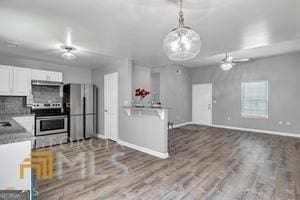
{"type": "Point", "coordinates": [55, 76]}
{"type": "Point", "coordinates": [11, 156]}
{"type": "Point", "coordinates": [44, 75]}
{"type": "Point", "coordinates": [6, 80]}
{"type": "Point", "coordinates": [21, 81]}
{"type": "Point", "coordinates": [41, 75]}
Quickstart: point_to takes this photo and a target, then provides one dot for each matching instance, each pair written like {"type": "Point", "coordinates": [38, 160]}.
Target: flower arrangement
{"type": "Point", "coordinates": [142, 93]}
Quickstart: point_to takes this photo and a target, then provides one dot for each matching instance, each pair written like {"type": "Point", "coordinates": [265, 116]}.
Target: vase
{"type": "Point", "coordinates": [140, 102]}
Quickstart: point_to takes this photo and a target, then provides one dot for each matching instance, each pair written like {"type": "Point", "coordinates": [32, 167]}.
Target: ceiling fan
{"type": "Point", "coordinates": [68, 52]}
{"type": "Point", "coordinates": [228, 62]}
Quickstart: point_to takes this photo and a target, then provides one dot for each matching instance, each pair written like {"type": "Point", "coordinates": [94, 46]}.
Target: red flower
{"type": "Point", "coordinates": [141, 92]}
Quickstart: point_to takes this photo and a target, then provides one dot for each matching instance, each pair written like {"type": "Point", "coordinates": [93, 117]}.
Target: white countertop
{"type": "Point", "coordinates": [146, 108]}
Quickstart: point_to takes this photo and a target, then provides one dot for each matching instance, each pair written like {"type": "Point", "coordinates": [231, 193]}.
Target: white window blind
{"type": "Point", "coordinates": [254, 99]}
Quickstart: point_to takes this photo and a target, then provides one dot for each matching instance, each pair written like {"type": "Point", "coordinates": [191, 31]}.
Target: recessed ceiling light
{"type": "Point", "coordinates": [11, 44]}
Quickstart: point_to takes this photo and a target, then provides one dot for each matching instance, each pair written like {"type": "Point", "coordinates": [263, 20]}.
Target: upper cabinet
{"type": "Point", "coordinates": [15, 81]}
{"type": "Point", "coordinates": [55, 76]}
{"type": "Point", "coordinates": [40, 75]}
{"type": "Point", "coordinates": [6, 80]}
{"type": "Point", "coordinates": [43, 75]}
{"type": "Point", "coordinates": [22, 81]}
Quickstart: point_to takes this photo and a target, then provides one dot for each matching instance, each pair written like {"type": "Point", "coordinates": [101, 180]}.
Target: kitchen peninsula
{"type": "Point", "coordinates": [147, 130]}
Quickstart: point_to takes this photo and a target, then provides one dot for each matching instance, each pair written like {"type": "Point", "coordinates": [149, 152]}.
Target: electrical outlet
{"type": "Point", "coordinates": [288, 123]}
{"type": "Point", "coordinates": [228, 118]}
{"type": "Point", "coordinates": [280, 123]}
{"type": "Point", "coordinates": [177, 117]}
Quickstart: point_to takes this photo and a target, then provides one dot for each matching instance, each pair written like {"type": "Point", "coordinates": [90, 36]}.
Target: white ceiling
{"type": "Point", "coordinates": [105, 29]}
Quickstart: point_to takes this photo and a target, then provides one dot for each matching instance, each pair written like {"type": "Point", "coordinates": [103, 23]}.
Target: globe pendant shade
{"type": "Point", "coordinates": [182, 44]}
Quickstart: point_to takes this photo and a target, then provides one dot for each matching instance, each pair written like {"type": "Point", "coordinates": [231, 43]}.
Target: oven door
{"type": "Point", "coordinates": [51, 125]}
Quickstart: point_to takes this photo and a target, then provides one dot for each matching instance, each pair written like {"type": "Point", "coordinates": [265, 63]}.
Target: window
{"type": "Point", "coordinates": [255, 99]}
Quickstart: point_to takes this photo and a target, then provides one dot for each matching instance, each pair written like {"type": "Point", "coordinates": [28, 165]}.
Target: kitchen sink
{"type": "Point", "coordinates": [5, 124]}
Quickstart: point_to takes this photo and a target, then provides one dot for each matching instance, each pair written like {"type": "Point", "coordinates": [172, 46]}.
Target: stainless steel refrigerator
{"type": "Point", "coordinates": [80, 102]}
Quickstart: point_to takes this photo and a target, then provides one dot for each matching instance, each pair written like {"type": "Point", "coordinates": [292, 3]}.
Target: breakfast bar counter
{"type": "Point", "coordinates": [146, 130]}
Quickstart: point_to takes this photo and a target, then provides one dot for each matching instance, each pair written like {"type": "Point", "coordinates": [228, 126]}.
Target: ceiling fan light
{"type": "Point", "coordinates": [68, 55]}
{"type": "Point", "coordinates": [226, 66]}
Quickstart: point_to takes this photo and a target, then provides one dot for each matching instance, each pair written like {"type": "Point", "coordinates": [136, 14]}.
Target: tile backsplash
{"type": "Point", "coordinates": [10, 105]}
{"type": "Point", "coordinates": [13, 105]}
{"type": "Point", "coordinates": [46, 94]}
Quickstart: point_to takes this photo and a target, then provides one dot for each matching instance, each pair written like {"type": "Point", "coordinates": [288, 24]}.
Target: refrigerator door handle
{"type": "Point", "coordinates": [84, 117]}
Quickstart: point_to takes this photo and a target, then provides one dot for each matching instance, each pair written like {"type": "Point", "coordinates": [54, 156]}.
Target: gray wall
{"type": "Point", "coordinates": [141, 78]}
{"type": "Point", "coordinates": [176, 92]}
{"type": "Point", "coordinates": [155, 86]}
{"type": "Point", "coordinates": [124, 69]}
{"type": "Point", "coordinates": [70, 74]}
{"type": "Point", "coordinates": [283, 74]}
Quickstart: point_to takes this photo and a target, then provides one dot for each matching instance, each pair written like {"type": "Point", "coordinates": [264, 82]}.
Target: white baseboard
{"type": "Point", "coordinates": [101, 136]}
{"type": "Point", "coordinates": [258, 130]}
{"type": "Point", "coordinates": [183, 124]}
{"type": "Point", "coordinates": [143, 149]}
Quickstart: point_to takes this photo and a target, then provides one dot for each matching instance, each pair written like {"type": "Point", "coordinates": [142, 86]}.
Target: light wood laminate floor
{"type": "Point", "coordinates": [210, 163]}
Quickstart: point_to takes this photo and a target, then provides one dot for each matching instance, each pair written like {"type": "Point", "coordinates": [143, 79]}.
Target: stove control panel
{"type": "Point", "coordinates": [46, 105]}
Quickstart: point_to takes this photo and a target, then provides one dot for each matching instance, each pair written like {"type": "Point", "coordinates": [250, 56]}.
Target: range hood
{"type": "Point", "coordinates": [47, 83]}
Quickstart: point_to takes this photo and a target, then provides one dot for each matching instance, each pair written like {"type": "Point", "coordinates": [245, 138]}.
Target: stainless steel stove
{"type": "Point", "coordinates": [51, 124]}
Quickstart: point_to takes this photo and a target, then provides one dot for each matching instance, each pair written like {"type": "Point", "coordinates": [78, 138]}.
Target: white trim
{"type": "Point", "coordinates": [144, 150]}
{"type": "Point", "coordinates": [101, 136]}
{"type": "Point", "coordinates": [258, 131]}
{"type": "Point", "coordinates": [183, 124]}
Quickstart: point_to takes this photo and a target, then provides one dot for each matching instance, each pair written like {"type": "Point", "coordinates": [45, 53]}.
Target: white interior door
{"type": "Point", "coordinates": [111, 106]}
{"type": "Point", "coordinates": [202, 104]}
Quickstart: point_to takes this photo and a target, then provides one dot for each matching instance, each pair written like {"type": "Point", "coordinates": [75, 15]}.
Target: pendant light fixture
{"type": "Point", "coordinates": [182, 43]}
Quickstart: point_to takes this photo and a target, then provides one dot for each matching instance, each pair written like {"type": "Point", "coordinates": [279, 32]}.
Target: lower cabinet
{"type": "Point", "coordinates": [12, 156]}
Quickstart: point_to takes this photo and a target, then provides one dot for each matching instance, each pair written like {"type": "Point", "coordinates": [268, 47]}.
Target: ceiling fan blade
{"type": "Point", "coordinates": [229, 59]}
{"type": "Point", "coordinates": [241, 60]}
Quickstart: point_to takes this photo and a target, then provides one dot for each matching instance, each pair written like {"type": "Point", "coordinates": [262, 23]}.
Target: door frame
{"type": "Point", "coordinates": [105, 132]}
{"type": "Point", "coordinates": [211, 100]}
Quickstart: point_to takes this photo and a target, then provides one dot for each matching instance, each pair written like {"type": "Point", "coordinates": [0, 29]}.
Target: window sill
{"type": "Point", "coordinates": [254, 117]}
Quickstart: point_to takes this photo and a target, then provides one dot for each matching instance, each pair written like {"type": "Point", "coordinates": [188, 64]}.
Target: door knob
{"type": "Point", "coordinates": [105, 110]}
